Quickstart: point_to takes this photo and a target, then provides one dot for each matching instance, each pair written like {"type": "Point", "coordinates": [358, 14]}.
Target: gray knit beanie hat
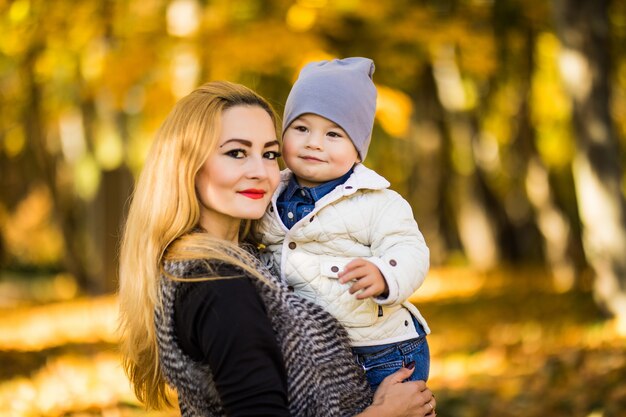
{"type": "Point", "coordinates": [340, 90]}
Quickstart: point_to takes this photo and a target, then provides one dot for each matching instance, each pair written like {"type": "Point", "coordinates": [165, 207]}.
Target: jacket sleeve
{"type": "Point", "coordinates": [398, 247]}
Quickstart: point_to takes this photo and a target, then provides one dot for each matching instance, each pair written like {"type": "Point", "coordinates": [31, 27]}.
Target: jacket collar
{"type": "Point", "coordinates": [362, 178]}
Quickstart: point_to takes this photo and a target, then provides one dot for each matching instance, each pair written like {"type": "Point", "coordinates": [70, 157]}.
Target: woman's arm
{"type": "Point", "coordinates": [223, 324]}
{"type": "Point", "coordinates": [395, 398]}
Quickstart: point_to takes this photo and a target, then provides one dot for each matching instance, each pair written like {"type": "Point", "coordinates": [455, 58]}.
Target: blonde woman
{"type": "Point", "coordinates": [199, 313]}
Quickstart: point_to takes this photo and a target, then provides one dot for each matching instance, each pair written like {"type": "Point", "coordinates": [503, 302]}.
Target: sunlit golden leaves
{"type": "Point", "coordinates": [30, 233]}
{"type": "Point", "coordinates": [504, 106]}
{"type": "Point", "coordinates": [129, 64]}
{"type": "Point", "coordinates": [44, 327]}
{"type": "Point", "coordinates": [184, 70]}
{"type": "Point", "coordinates": [183, 18]}
{"type": "Point", "coordinates": [19, 11]}
{"type": "Point", "coordinates": [393, 110]}
{"type": "Point", "coordinates": [92, 60]}
{"type": "Point", "coordinates": [20, 290]}
{"type": "Point", "coordinates": [87, 175]}
{"type": "Point", "coordinates": [67, 382]}
{"type": "Point", "coordinates": [14, 141]}
{"type": "Point", "coordinates": [15, 29]}
{"type": "Point", "coordinates": [109, 149]}
{"type": "Point", "coordinates": [477, 53]}
{"type": "Point", "coordinates": [500, 341]}
{"type": "Point", "coordinates": [456, 92]}
{"type": "Point", "coordinates": [301, 18]}
{"type": "Point", "coordinates": [274, 50]}
{"type": "Point", "coordinates": [551, 107]}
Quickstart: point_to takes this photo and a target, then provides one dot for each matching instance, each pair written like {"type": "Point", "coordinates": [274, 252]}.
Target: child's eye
{"type": "Point", "coordinates": [335, 134]}
{"type": "Point", "coordinates": [271, 155]}
{"type": "Point", "coordinates": [236, 153]}
{"type": "Point", "coordinates": [300, 128]}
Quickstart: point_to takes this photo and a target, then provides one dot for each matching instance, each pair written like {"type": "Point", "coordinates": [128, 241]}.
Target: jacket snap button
{"type": "Point", "coordinates": [290, 215]}
{"type": "Point", "coordinates": [406, 322]}
{"type": "Point", "coordinates": [335, 269]}
{"type": "Point", "coordinates": [393, 262]}
{"type": "Point", "coordinates": [292, 245]}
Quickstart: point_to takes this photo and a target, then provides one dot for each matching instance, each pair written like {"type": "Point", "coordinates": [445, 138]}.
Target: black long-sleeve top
{"type": "Point", "coordinates": [223, 323]}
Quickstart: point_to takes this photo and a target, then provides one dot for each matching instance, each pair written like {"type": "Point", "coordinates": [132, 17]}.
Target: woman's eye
{"type": "Point", "coordinates": [236, 153]}
{"type": "Point", "coordinates": [272, 155]}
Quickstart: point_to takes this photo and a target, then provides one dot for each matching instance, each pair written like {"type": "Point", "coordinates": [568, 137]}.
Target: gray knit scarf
{"type": "Point", "coordinates": [322, 377]}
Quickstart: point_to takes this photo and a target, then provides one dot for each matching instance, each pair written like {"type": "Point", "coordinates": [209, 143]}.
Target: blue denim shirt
{"type": "Point", "coordinates": [295, 202]}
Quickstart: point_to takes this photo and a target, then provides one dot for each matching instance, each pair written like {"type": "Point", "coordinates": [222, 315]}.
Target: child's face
{"type": "Point", "coordinates": [317, 150]}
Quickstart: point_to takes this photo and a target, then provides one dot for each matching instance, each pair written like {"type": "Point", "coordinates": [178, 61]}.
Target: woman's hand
{"type": "Point", "coordinates": [395, 398]}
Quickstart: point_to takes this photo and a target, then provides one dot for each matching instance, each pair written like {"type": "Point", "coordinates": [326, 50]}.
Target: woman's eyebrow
{"type": "Point", "coordinates": [248, 143]}
{"type": "Point", "coordinates": [241, 141]}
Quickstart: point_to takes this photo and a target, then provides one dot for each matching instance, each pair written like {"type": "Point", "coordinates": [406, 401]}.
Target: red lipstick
{"type": "Point", "coordinates": [253, 193]}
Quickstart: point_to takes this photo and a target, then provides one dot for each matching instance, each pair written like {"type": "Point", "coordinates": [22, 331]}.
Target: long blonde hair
{"type": "Point", "coordinates": [163, 213]}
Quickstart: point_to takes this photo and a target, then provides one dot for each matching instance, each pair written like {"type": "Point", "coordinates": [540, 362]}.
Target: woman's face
{"type": "Point", "coordinates": [239, 177]}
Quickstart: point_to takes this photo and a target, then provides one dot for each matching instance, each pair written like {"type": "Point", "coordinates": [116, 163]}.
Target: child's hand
{"type": "Point", "coordinates": [367, 276]}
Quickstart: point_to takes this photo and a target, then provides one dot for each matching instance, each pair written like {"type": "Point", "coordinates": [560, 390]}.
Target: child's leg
{"type": "Point", "coordinates": [420, 353]}
{"type": "Point", "coordinates": [383, 360]}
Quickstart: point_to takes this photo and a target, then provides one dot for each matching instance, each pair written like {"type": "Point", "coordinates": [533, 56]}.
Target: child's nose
{"type": "Point", "coordinates": [314, 141]}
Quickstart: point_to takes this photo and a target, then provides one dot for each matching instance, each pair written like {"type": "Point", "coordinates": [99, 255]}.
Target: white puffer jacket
{"type": "Point", "coordinates": [360, 219]}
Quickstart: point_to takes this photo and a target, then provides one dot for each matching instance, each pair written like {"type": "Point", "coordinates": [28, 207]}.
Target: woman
{"type": "Point", "coordinates": [198, 311]}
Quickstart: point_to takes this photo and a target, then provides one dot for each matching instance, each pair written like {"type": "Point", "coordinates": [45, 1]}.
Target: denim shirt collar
{"type": "Point", "coordinates": [316, 193]}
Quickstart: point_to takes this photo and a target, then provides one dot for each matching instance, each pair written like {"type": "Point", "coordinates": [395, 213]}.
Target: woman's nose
{"type": "Point", "coordinates": [257, 168]}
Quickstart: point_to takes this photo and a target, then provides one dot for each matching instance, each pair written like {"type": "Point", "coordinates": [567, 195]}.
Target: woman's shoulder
{"type": "Point", "coordinates": [200, 268]}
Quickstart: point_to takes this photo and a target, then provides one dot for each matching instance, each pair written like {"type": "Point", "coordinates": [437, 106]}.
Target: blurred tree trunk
{"type": "Point", "coordinates": [426, 176]}
{"type": "Point", "coordinates": [552, 223]}
{"type": "Point", "coordinates": [66, 210]}
{"type": "Point", "coordinates": [477, 230]}
{"type": "Point", "coordinates": [105, 213]}
{"type": "Point", "coordinates": [110, 207]}
{"type": "Point", "coordinates": [107, 210]}
{"type": "Point", "coordinates": [583, 28]}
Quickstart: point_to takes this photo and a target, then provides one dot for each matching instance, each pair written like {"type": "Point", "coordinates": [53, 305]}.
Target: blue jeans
{"type": "Point", "coordinates": [383, 360]}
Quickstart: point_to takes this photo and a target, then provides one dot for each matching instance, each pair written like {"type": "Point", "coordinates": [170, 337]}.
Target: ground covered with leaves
{"type": "Point", "coordinates": [503, 344]}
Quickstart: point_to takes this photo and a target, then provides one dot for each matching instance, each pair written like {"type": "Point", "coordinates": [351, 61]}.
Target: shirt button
{"type": "Point", "coordinates": [311, 219]}
{"type": "Point", "coordinates": [272, 209]}
{"type": "Point", "coordinates": [348, 187]}
{"type": "Point", "coordinates": [292, 245]}
{"type": "Point", "coordinates": [335, 269]}
{"type": "Point", "coordinates": [393, 262]}
{"type": "Point", "coordinates": [290, 288]}
{"type": "Point", "coordinates": [290, 215]}
{"type": "Point", "coordinates": [406, 323]}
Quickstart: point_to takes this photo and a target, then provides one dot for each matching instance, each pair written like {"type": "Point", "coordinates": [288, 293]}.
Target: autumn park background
{"type": "Point", "coordinates": [501, 121]}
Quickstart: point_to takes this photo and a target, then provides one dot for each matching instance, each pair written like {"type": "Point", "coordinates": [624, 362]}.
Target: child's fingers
{"type": "Point", "coordinates": [368, 292]}
{"type": "Point", "coordinates": [352, 265]}
{"type": "Point", "coordinates": [361, 284]}
{"type": "Point", "coordinates": [354, 274]}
